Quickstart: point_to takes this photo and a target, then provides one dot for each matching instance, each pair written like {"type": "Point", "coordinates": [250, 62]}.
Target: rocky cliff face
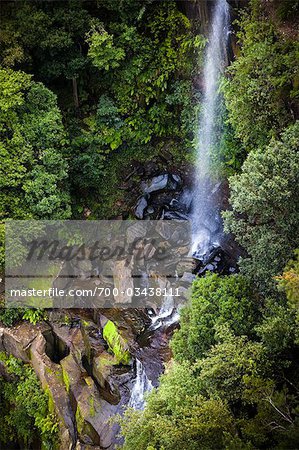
{"type": "Point", "coordinates": [87, 379]}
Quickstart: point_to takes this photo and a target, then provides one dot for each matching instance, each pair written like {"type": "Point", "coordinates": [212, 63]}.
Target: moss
{"type": "Point", "coordinates": [48, 370]}
{"type": "Point", "coordinates": [84, 329]}
{"type": "Point", "coordinates": [91, 407]}
{"type": "Point", "coordinates": [88, 381]}
{"type": "Point", "coordinates": [102, 366]}
{"type": "Point", "coordinates": [66, 379]}
{"type": "Point", "coordinates": [105, 361]}
{"type": "Point", "coordinates": [79, 420]}
{"type": "Point", "coordinates": [116, 343]}
{"type": "Point", "coordinates": [51, 403]}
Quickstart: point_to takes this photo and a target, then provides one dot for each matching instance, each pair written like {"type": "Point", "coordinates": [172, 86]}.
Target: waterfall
{"type": "Point", "coordinates": [167, 314]}
{"type": "Point", "coordinates": [141, 385]}
{"type": "Point", "coordinates": [204, 211]}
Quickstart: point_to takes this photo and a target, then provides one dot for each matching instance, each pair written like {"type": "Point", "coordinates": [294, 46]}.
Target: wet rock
{"type": "Point", "coordinates": [16, 341]}
{"type": "Point", "coordinates": [166, 181]}
{"type": "Point", "coordinates": [140, 207]}
{"type": "Point", "coordinates": [94, 343]}
{"type": "Point", "coordinates": [185, 200]}
{"type": "Point", "coordinates": [89, 392]}
{"type": "Point", "coordinates": [185, 265]}
{"type": "Point", "coordinates": [136, 231]}
{"type": "Point", "coordinates": [130, 321]}
{"type": "Point", "coordinates": [156, 184]}
{"type": "Point", "coordinates": [174, 215]}
{"type": "Point", "coordinates": [187, 278]}
{"type": "Point", "coordinates": [71, 372]}
{"type": "Point", "coordinates": [102, 367]}
{"type": "Point", "coordinates": [50, 376]}
{"type": "Point", "coordinates": [123, 282]}
{"type": "Point", "coordinates": [116, 343]}
{"type": "Point", "coordinates": [102, 372]}
{"type": "Point", "coordinates": [174, 233]}
{"type": "Point", "coordinates": [92, 415]}
{"type": "Point", "coordinates": [215, 260]}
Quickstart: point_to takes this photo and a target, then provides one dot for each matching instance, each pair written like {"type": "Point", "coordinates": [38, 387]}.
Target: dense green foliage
{"type": "Point", "coordinates": [289, 281]}
{"type": "Point", "coordinates": [26, 418]}
{"type": "Point", "coordinates": [265, 205]}
{"type": "Point", "coordinates": [130, 90]}
{"type": "Point", "coordinates": [262, 87]}
{"type": "Point", "coordinates": [32, 138]}
{"type": "Point", "coordinates": [214, 302]}
{"type": "Point", "coordinates": [33, 170]}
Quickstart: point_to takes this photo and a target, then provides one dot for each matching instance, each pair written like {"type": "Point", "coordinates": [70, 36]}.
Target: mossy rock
{"type": "Point", "coordinates": [71, 372]}
{"type": "Point", "coordinates": [117, 344]}
{"type": "Point", "coordinates": [102, 366]}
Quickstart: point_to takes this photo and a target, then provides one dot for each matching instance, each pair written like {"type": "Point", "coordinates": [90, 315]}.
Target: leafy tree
{"type": "Point", "coordinates": [227, 364]}
{"type": "Point", "coordinates": [32, 135]}
{"type": "Point", "coordinates": [25, 414]}
{"type": "Point", "coordinates": [178, 416]}
{"type": "Point", "coordinates": [261, 89]}
{"type": "Point", "coordinates": [264, 200]}
{"type": "Point", "coordinates": [277, 331]}
{"type": "Point", "coordinates": [214, 301]}
{"type": "Point", "coordinates": [102, 51]}
{"type": "Point", "coordinates": [137, 56]}
{"type": "Point", "coordinates": [33, 169]}
{"type": "Point", "coordinates": [49, 40]}
{"type": "Point", "coordinates": [224, 400]}
{"type": "Point", "coordinates": [289, 280]}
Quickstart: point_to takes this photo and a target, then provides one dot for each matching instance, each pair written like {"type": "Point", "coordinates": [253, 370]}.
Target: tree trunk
{"type": "Point", "coordinates": [75, 93]}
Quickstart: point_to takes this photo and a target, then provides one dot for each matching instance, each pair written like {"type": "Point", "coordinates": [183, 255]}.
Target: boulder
{"type": "Point", "coordinates": [92, 415]}
{"type": "Point", "coordinates": [170, 182]}
{"type": "Point", "coordinates": [117, 344]}
{"type": "Point", "coordinates": [140, 207]}
{"type": "Point", "coordinates": [16, 341]}
{"type": "Point", "coordinates": [136, 231]}
{"type": "Point", "coordinates": [103, 374]}
{"type": "Point", "coordinates": [174, 215]}
{"type": "Point", "coordinates": [51, 378]}
{"type": "Point", "coordinates": [156, 184]}
{"type": "Point", "coordinates": [102, 366]}
{"type": "Point", "coordinates": [94, 344]}
{"type": "Point", "coordinates": [71, 372]}
{"type": "Point", "coordinates": [123, 282]}
{"type": "Point", "coordinates": [187, 278]}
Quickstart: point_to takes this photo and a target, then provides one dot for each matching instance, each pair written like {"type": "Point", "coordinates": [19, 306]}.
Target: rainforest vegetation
{"type": "Point", "coordinates": [89, 88]}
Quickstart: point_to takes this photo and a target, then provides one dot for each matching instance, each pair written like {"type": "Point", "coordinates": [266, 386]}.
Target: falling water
{"type": "Point", "coordinates": [141, 385]}
{"type": "Point", "coordinates": [167, 315]}
{"type": "Point", "coordinates": [204, 211]}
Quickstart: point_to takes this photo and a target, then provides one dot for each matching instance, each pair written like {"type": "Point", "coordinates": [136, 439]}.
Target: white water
{"type": "Point", "coordinates": [166, 315]}
{"type": "Point", "coordinates": [204, 211]}
{"type": "Point", "coordinates": [141, 385]}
